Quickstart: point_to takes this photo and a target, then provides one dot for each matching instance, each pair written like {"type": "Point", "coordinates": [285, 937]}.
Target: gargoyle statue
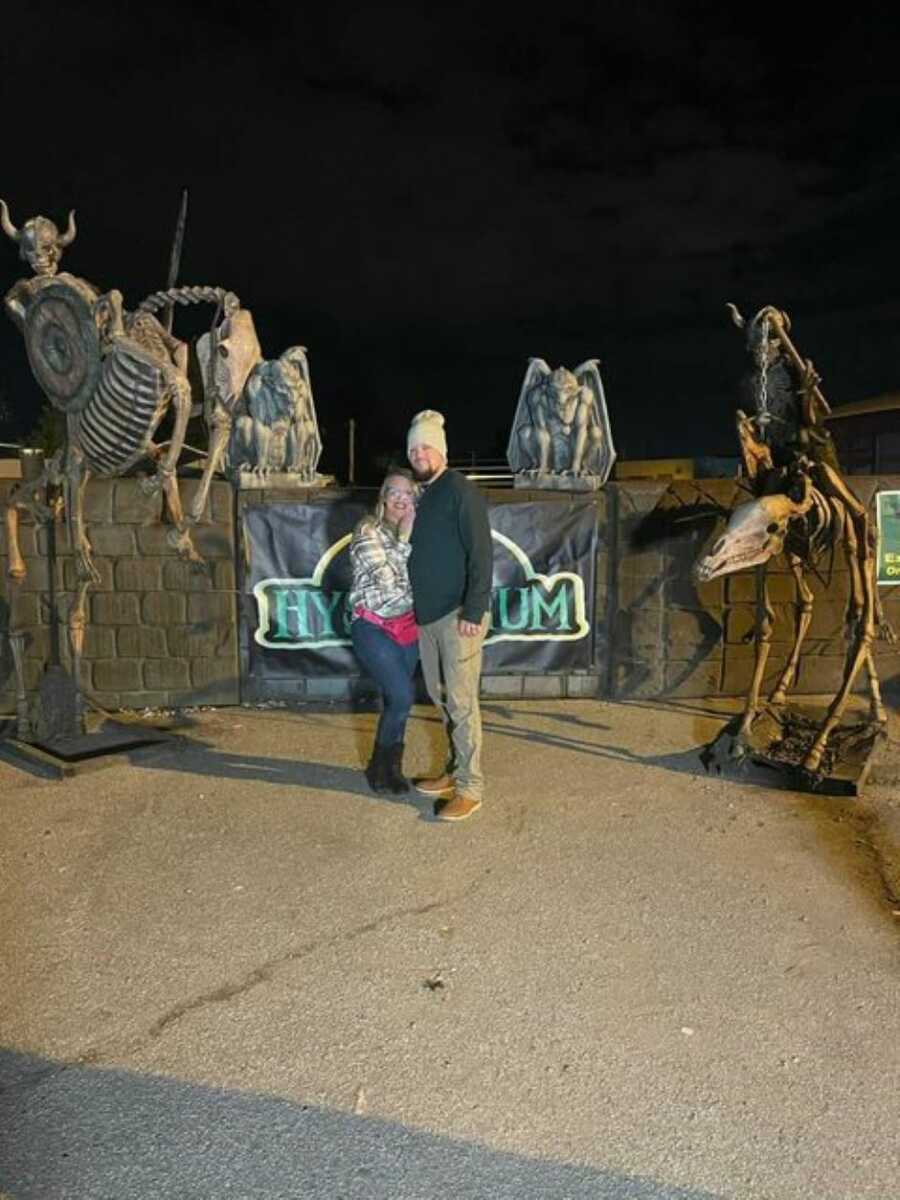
{"type": "Point", "coordinates": [260, 412]}
{"type": "Point", "coordinates": [561, 437]}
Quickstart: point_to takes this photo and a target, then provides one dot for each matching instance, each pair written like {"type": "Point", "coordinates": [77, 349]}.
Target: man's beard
{"type": "Point", "coordinates": [424, 475]}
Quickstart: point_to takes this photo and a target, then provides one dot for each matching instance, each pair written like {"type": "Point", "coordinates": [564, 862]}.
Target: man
{"type": "Point", "coordinates": [450, 569]}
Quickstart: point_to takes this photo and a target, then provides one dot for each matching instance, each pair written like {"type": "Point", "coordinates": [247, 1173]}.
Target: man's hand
{"type": "Point", "coordinates": [469, 628]}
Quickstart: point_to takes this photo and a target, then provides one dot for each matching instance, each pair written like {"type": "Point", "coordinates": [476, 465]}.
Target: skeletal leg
{"type": "Point", "coordinates": [181, 400]}
{"type": "Point", "coordinates": [24, 497]}
{"type": "Point", "coordinates": [77, 623]}
{"type": "Point", "coordinates": [218, 442]}
{"type": "Point", "coordinates": [862, 577]}
{"type": "Point", "coordinates": [16, 568]}
{"type": "Point", "coordinates": [804, 616]}
{"type": "Point", "coordinates": [765, 620]}
{"type": "Point", "coordinates": [76, 480]}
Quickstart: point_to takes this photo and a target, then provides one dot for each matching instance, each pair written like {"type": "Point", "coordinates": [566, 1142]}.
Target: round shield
{"type": "Point", "coordinates": [63, 345]}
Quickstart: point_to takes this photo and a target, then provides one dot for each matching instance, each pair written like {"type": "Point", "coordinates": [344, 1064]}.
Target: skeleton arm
{"type": "Point", "coordinates": [756, 454]}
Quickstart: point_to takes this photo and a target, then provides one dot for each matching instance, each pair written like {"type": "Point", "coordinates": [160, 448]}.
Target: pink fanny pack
{"type": "Point", "coordinates": [403, 629]}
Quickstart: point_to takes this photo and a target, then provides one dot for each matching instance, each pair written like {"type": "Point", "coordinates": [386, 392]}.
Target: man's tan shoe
{"type": "Point", "coordinates": [457, 807]}
{"type": "Point", "coordinates": [437, 785]}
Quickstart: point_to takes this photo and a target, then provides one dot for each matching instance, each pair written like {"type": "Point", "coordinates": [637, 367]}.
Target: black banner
{"type": "Point", "coordinates": [299, 579]}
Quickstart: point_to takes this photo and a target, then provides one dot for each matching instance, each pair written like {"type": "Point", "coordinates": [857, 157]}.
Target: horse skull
{"type": "Point", "coordinates": [754, 534]}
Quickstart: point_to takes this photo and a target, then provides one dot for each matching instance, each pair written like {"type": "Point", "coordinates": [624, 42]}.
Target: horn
{"type": "Point", "coordinates": [69, 236]}
{"type": "Point", "coordinates": [8, 228]}
{"type": "Point", "coordinates": [736, 316]}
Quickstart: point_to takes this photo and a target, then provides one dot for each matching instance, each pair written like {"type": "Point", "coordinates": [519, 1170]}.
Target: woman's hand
{"type": "Point", "coordinates": [407, 520]}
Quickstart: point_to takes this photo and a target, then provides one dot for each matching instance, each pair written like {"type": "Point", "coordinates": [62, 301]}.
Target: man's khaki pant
{"type": "Point", "coordinates": [451, 665]}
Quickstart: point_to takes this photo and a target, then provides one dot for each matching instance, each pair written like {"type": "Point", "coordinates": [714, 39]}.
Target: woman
{"type": "Point", "coordinates": [383, 627]}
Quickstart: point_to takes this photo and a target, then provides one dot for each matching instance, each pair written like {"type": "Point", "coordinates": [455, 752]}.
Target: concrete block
{"type": "Point", "coordinates": [208, 671]}
{"type": "Point", "coordinates": [181, 576]}
{"type": "Point", "coordinates": [507, 687]}
{"type": "Point", "coordinates": [215, 606]}
{"type": "Point", "coordinates": [221, 500]}
{"type": "Point", "coordinates": [116, 541]}
{"type": "Point", "coordinates": [641, 564]}
{"type": "Point", "coordinates": [100, 642]}
{"type": "Point", "coordinates": [205, 640]}
{"type": "Point", "coordinates": [37, 643]}
{"type": "Point", "coordinates": [163, 608]}
{"type": "Point", "coordinates": [25, 609]}
{"type": "Point", "coordinates": [62, 540]}
{"type": "Point", "coordinates": [822, 674]}
{"type": "Point", "coordinates": [37, 575]}
{"type": "Point", "coordinates": [143, 699]}
{"type": "Point", "coordinates": [115, 674]}
{"type": "Point", "coordinates": [579, 687]}
{"type": "Point", "coordinates": [633, 678]}
{"type": "Point", "coordinates": [738, 673]}
{"type": "Point", "coordinates": [115, 608]}
{"type": "Point", "coordinates": [543, 687]}
{"type": "Point", "coordinates": [325, 689]}
{"type": "Point", "coordinates": [161, 674]}
{"type": "Point", "coordinates": [213, 541]}
{"type": "Point", "coordinates": [104, 568]}
{"type": "Point", "coordinates": [689, 678]}
{"type": "Point", "coordinates": [142, 641]}
{"type": "Point", "coordinates": [741, 588]}
{"type": "Point", "coordinates": [156, 540]}
{"type": "Point", "coordinates": [133, 506]}
{"type": "Point", "coordinates": [224, 575]}
{"type": "Point", "coordinates": [681, 591]}
{"type": "Point", "coordinates": [138, 575]}
{"type": "Point", "coordinates": [98, 500]}
{"type": "Point", "coordinates": [634, 592]}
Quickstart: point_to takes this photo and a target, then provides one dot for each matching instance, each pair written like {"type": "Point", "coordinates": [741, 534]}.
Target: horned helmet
{"type": "Point", "coordinates": [39, 240]}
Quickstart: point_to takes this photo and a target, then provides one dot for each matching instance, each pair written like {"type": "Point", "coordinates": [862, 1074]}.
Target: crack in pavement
{"type": "Point", "coordinates": [266, 971]}
{"type": "Point", "coordinates": [228, 991]}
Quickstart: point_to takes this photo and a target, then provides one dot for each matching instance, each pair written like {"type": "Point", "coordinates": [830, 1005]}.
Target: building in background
{"type": "Point", "coordinates": [866, 435]}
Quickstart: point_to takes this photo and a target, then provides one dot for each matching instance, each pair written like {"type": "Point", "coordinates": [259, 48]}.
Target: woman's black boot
{"type": "Point", "coordinates": [377, 772]}
{"type": "Point", "coordinates": [397, 781]}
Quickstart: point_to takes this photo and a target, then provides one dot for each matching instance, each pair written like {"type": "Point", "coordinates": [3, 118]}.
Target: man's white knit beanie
{"type": "Point", "coordinates": [427, 429]}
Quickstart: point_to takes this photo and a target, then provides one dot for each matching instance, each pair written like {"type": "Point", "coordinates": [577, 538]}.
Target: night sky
{"type": "Point", "coordinates": [426, 196]}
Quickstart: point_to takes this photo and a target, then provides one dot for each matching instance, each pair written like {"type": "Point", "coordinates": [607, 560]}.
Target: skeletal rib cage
{"type": "Point", "coordinates": [116, 425]}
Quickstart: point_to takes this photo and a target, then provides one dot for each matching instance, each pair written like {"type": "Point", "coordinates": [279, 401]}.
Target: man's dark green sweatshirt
{"type": "Point", "coordinates": [452, 557]}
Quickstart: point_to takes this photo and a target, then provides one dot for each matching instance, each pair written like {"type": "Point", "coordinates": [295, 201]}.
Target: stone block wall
{"type": "Point", "coordinates": [161, 632]}
{"type": "Point", "coordinates": [673, 637]}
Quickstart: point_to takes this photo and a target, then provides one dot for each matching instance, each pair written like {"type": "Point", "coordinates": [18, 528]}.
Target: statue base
{"type": "Point", "coordinates": [551, 481]}
{"type": "Point", "coordinates": [110, 745]}
{"type": "Point", "coordinates": [780, 738]}
{"type": "Point", "coordinates": [254, 480]}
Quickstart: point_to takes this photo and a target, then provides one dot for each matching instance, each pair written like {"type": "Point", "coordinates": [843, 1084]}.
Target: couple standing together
{"type": "Point", "coordinates": [422, 569]}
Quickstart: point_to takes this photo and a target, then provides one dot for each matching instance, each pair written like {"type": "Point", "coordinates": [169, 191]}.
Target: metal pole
{"type": "Point", "coordinates": [175, 257]}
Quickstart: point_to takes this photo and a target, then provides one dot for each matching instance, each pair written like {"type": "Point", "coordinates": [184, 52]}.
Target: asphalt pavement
{"type": "Point", "coordinates": [229, 970]}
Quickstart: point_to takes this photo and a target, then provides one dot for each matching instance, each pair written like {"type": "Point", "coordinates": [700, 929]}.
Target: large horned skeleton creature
{"type": "Point", "coordinates": [802, 507]}
{"type": "Point", "coordinates": [113, 374]}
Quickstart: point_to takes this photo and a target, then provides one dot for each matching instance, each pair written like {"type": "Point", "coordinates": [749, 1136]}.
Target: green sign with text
{"type": "Point", "coordinates": [888, 537]}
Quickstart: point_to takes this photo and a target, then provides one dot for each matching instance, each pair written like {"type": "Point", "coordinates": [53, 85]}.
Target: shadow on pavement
{"type": "Point", "coordinates": [84, 1132]}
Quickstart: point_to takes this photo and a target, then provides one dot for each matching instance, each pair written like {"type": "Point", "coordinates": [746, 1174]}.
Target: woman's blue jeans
{"type": "Point", "coordinates": [391, 666]}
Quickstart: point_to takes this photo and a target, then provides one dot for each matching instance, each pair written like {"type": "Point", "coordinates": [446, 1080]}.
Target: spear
{"type": "Point", "coordinates": [175, 258]}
